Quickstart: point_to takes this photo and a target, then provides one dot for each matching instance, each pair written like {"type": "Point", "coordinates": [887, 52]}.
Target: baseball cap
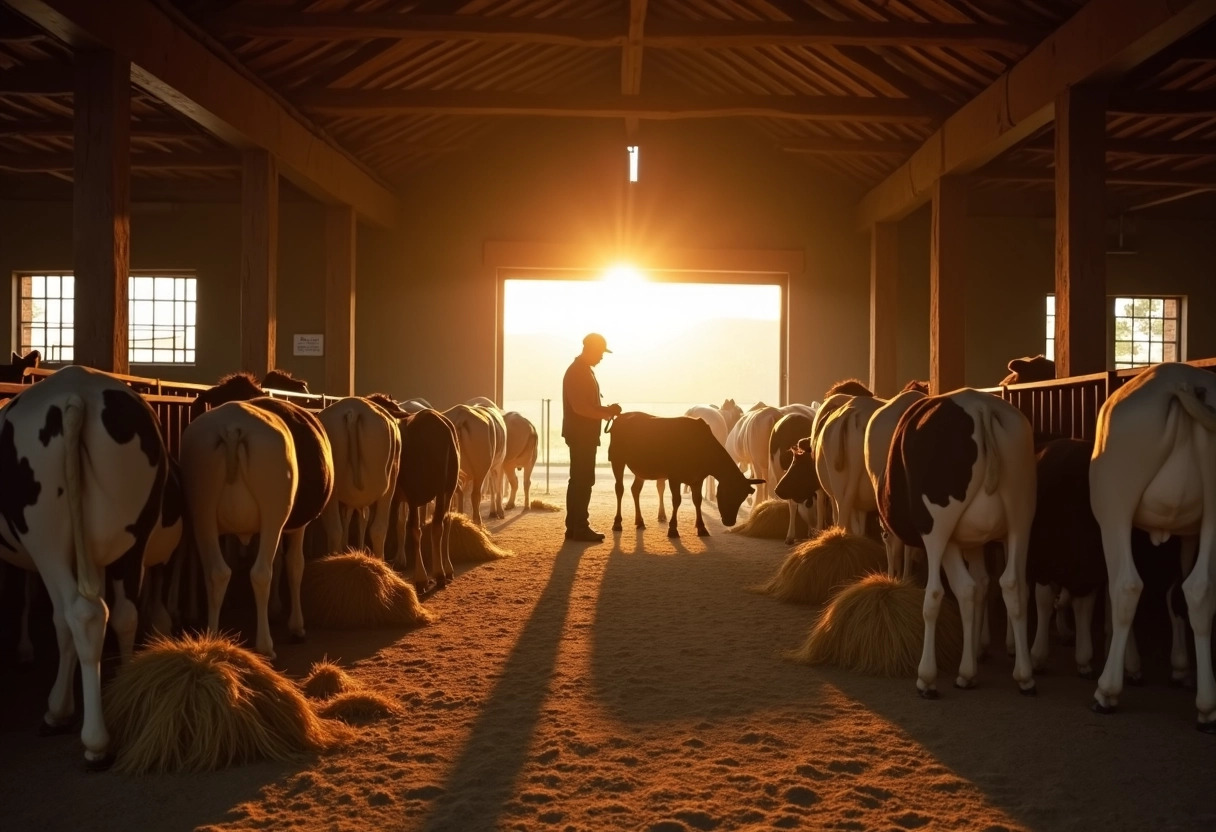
{"type": "Point", "coordinates": [596, 341]}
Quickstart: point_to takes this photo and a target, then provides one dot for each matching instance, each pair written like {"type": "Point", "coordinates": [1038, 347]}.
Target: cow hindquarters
{"type": "Point", "coordinates": [1200, 590]}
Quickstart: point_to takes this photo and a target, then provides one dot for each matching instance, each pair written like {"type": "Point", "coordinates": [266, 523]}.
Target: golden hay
{"type": "Point", "coordinates": [541, 505]}
{"type": "Point", "coordinates": [354, 589]}
{"type": "Point", "coordinates": [770, 519]}
{"type": "Point", "coordinates": [876, 627]}
{"type": "Point", "coordinates": [359, 706]}
{"type": "Point", "coordinates": [468, 542]}
{"type": "Point", "coordinates": [817, 568]}
{"type": "Point", "coordinates": [202, 703]}
{"type": "Point", "coordinates": [326, 680]}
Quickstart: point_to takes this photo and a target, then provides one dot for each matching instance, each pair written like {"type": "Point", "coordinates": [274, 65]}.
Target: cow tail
{"type": "Point", "coordinates": [354, 451]}
{"type": "Point", "coordinates": [992, 475]}
{"type": "Point", "coordinates": [842, 443]}
{"type": "Point", "coordinates": [236, 453]}
{"type": "Point", "coordinates": [530, 444]}
{"type": "Point", "coordinates": [1196, 408]}
{"type": "Point", "coordinates": [88, 577]}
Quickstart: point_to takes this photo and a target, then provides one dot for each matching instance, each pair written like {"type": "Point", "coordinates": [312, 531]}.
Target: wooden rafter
{"type": "Point", "coordinates": [62, 162]}
{"type": "Point", "coordinates": [631, 59]}
{"type": "Point", "coordinates": [491, 103]}
{"type": "Point", "coordinates": [1104, 39]}
{"type": "Point", "coordinates": [171, 59]}
{"type": "Point", "coordinates": [849, 147]}
{"type": "Point", "coordinates": [607, 32]}
{"type": "Point", "coordinates": [1200, 104]}
{"type": "Point", "coordinates": [1147, 179]}
{"type": "Point", "coordinates": [161, 130]}
{"type": "Point", "coordinates": [1139, 147]}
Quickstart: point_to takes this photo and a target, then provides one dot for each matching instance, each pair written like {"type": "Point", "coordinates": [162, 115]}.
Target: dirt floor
{"type": "Point", "coordinates": [637, 684]}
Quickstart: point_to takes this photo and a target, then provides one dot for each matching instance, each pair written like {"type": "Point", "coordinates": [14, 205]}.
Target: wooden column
{"type": "Point", "coordinates": [948, 285]}
{"type": "Point", "coordinates": [101, 197]}
{"type": "Point", "coordinates": [1081, 310]}
{"type": "Point", "coordinates": [259, 260]}
{"type": "Point", "coordinates": [340, 301]}
{"type": "Point", "coordinates": [884, 307]}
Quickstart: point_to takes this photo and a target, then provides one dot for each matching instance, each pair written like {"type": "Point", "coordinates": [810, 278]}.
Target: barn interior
{"type": "Point", "coordinates": [918, 175]}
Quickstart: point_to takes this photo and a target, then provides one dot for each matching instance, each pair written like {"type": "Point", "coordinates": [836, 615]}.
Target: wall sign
{"type": "Point", "coordinates": [308, 344]}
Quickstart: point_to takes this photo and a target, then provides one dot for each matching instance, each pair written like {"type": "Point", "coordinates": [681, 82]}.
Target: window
{"type": "Point", "coordinates": [1146, 330]}
{"type": "Point", "coordinates": [161, 317]}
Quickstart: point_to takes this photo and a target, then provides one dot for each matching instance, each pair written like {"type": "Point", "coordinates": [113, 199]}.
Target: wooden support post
{"type": "Point", "coordinates": [101, 222]}
{"type": "Point", "coordinates": [884, 307]}
{"type": "Point", "coordinates": [947, 286]}
{"type": "Point", "coordinates": [1080, 343]}
{"type": "Point", "coordinates": [259, 261]}
{"type": "Point", "coordinates": [340, 301]}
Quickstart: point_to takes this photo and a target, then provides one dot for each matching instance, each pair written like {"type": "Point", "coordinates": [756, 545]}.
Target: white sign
{"type": "Point", "coordinates": [308, 344]}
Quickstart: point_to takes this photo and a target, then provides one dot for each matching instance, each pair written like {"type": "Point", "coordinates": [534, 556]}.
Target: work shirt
{"type": "Point", "coordinates": [581, 405]}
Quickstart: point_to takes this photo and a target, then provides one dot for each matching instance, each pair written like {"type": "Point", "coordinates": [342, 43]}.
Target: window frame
{"type": "Point", "coordinates": [1111, 363]}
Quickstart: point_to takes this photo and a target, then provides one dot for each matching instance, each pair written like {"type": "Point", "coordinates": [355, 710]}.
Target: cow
{"type": "Point", "coordinates": [1154, 466]}
{"type": "Point", "coordinates": [961, 473]}
{"type": "Point", "coordinates": [782, 444]}
{"type": "Point", "coordinates": [83, 467]}
{"type": "Point", "coordinates": [721, 421]}
{"type": "Point", "coordinates": [679, 449]}
{"type": "Point", "coordinates": [476, 433]}
{"type": "Point", "coordinates": [430, 470]}
{"type": "Point", "coordinates": [283, 380]}
{"type": "Point", "coordinates": [366, 443]}
{"type": "Point", "coordinates": [840, 463]}
{"type": "Point", "coordinates": [521, 453]}
{"type": "Point", "coordinates": [14, 373]}
{"type": "Point", "coordinates": [499, 427]}
{"type": "Point", "coordinates": [747, 443]}
{"type": "Point", "coordinates": [880, 430]}
{"type": "Point", "coordinates": [1026, 370]}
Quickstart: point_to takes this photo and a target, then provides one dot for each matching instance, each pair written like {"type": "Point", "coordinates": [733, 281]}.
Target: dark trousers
{"type": "Point", "coordinates": [578, 491]}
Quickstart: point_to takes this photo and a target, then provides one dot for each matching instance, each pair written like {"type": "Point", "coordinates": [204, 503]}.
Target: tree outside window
{"type": "Point", "coordinates": [1147, 330]}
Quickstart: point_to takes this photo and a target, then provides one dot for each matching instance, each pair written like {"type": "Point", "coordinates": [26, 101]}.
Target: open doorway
{"type": "Point", "coordinates": [675, 343]}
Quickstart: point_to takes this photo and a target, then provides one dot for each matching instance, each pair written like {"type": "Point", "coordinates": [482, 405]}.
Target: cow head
{"type": "Point", "coordinates": [283, 380]}
{"type": "Point", "coordinates": [1026, 370]}
{"type": "Point", "coordinates": [800, 482]}
{"type": "Point", "coordinates": [731, 494]}
{"type": "Point", "coordinates": [915, 386]}
{"type": "Point", "coordinates": [731, 413]}
{"type": "Point", "coordinates": [388, 404]}
{"type": "Point", "coordinates": [849, 387]}
{"type": "Point", "coordinates": [15, 372]}
{"type": "Point", "coordinates": [237, 387]}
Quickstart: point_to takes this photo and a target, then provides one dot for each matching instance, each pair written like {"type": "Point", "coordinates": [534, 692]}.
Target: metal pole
{"type": "Point", "coordinates": [548, 419]}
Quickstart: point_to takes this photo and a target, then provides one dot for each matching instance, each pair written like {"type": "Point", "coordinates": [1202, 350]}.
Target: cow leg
{"type": "Point", "coordinates": [1180, 660]}
{"type": "Point", "coordinates": [87, 619]}
{"type": "Point", "coordinates": [527, 486]}
{"type": "Point", "coordinates": [791, 530]}
{"type": "Point", "coordinates": [696, 503]}
{"type": "Point", "coordinates": [823, 515]}
{"type": "Point", "coordinates": [25, 644]}
{"type": "Point", "coordinates": [1043, 603]}
{"type": "Point", "coordinates": [1200, 591]}
{"type": "Point", "coordinates": [334, 521]}
{"type": "Point", "coordinates": [260, 575]}
{"type": "Point", "coordinates": [1083, 611]}
{"type": "Point", "coordinates": [926, 673]}
{"type": "Point", "coordinates": [1016, 595]}
{"type": "Point", "coordinates": [124, 619]}
{"type": "Point", "coordinates": [294, 551]}
{"type": "Point", "coordinates": [513, 482]}
{"type": "Point", "coordinates": [978, 570]}
{"type": "Point", "coordinates": [216, 571]}
{"type": "Point", "coordinates": [475, 500]}
{"type": "Point", "coordinates": [711, 489]}
{"type": "Point", "coordinates": [61, 703]}
{"type": "Point", "coordinates": [1124, 588]}
{"type": "Point", "coordinates": [441, 538]}
{"type": "Point", "coordinates": [636, 491]}
{"type": "Point", "coordinates": [618, 471]}
{"type": "Point", "coordinates": [965, 590]}
{"type": "Point", "coordinates": [659, 486]}
{"type": "Point", "coordinates": [672, 531]}
{"type": "Point", "coordinates": [413, 536]}
{"type": "Point", "coordinates": [377, 531]}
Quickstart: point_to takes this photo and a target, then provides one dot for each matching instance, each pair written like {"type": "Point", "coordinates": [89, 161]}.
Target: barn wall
{"type": "Point", "coordinates": [436, 304]}
{"type": "Point", "coordinates": [1012, 269]}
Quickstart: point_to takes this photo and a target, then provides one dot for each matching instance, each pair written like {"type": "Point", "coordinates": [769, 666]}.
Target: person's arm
{"type": "Point", "coordinates": [582, 397]}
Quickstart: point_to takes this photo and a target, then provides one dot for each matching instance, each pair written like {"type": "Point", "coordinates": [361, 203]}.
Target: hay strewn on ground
{"type": "Point", "coordinates": [357, 707]}
{"type": "Point", "coordinates": [541, 505]}
{"type": "Point", "coordinates": [203, 703]}
{"type": "Point", "coordinates": [326, 680]}
{"type": "Point", "coordinates": [816, 569]}
{"type": "Point", "coordinates": [468, 542]}
{"type": "Point", "coordinates": [353, 590]}
{"type": "Point", "coordinates": [769, 519]}
{"type": "Point", "coordinates": [876, 627]}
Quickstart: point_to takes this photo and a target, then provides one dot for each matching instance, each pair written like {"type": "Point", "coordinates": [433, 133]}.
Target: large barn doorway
{"type": "Point", "coordinates": [676, 341]}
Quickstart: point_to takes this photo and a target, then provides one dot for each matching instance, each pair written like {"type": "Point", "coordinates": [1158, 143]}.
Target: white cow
{"type": "Point", "coordinates": [521, 453]}
{"type": "Point", "coordinates": [880, 430]}
{"type": "Point", "coordinates": [475, 434]}
{"type": "Point", "coordinates": [1154, 466]}
{"type": "Point", "coordinates": [840, 462]}
{"type": "Point", "coordinates": [84, 467]}
{"type": "Point", "coordinates": [366, 445]}
{"type": "Point", "coordinates": [747, 444]}
{"type": "Point", "coordinates": [240, 477]}
{"type": "Point", "coordinates": [498, 426]}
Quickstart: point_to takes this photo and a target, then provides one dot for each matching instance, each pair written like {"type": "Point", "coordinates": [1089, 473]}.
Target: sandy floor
{"type": "Point", "coordinates": [636, 684]}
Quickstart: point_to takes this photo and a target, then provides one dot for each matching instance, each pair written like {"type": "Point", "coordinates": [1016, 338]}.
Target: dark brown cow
{"type": "Point", "coordinates": [1026, 370]}
{"type": "Point", "coordinates": [283, 380]}
{"type": "Point", "coordinates": [15, 373]}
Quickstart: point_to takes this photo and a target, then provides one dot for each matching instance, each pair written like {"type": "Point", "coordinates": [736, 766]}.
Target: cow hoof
{"type": "Point", "coordinates": [1098, 708]}
{"type": "Point", "coordinates": [99, 764]}
{"type": "Point", "coordinates": [48, 729]}
{"type": "Point", "coordinates": [789, 541]}
{"type": "Point", "coordinates": [616, 526]}
{"type": "Point", "coordinates": [1206, 728]}
{"type": "Point", "coordinates": [1030, 691]}
{"type": "Point", "coordinates": [637, 526]}
{"type": "Point", "coordinates": [964, 684]}
{"type": "Point", "coordinates": [928, 693]}
{"type": "Point", "coordinates": [1087, 674]}
{"type": "Point", "coordinates": [702, 532]}
{"type": "Point", "coordinates": [672, 533]}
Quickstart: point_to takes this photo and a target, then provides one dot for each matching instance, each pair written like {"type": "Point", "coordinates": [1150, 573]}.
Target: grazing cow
{"type": "Point", "coordinates": [82, 476]}
{"type": "Point", "coordinates": [960, 474]}
{"type": "Point", "coordinates": [366, 444]}
{"type": "Point", "coordinates": [430, 469]}
{"type": "Point", "coordinates": [747, 443]}
{"type": "Point", "coordinates": [1026, 370]}
{"type": "Point", "coordinates": [15, 373]}
{"type": "Point", "coordinates": [475, 432]}
{"type": "Point", "coordinates": [495, 475]}
{"type": "Point", "coordinates": [880, 431]}
{"type": "Point", "coordinates": [782, 445]}
{"type": "Point", "coordinates": [283, 380]}
{"type": "Point", "coordinates": [521, 453]}
{"type": "Point", "coordinates": [840, 463]}
{"type": "Point", "coordinates": [1154, 466]}
{"type": "Point", "coordinates": [681, 450]}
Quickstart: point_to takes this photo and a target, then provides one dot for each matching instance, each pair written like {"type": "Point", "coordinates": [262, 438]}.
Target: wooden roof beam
{"type": "Point", "coordinates": [1138, 147]}
{"type": "Point", "coordinates": [848, 147]}
{"type": "Point", "coordinates": [631, 60]}
{"type": "Point", "coordinates": [1103, 40]}
{"type": "Point", "coordinates": [63, 162]}
{"type": "Point", "coordinates": [160, 130]}
{"type": "Point", "coordinates": [607, 32]}
{"type": "Point", "coordinates": [1142, 178]}
{"type": "Point", "coordinates": [491, 103]}
{"type": "Point", "coordinates": [173, 60]}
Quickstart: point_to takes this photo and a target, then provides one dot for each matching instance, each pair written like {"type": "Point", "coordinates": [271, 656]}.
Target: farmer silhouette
{"type": "Point", "coordinates": [582, 415]}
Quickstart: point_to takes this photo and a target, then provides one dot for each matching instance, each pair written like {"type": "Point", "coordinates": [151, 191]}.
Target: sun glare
{"type": "Point", "coordinates": [623, 274]}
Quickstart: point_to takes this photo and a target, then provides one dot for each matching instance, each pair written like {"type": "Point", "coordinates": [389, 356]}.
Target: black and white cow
{"type": "Point", "coordinates": [680, 450]}
{"type": "Point", "coordinates": [1154, 466]}
{"type": "Point", "coordinates": [961, 473]}
{"type": "Point", "coordinates": [82, 475]}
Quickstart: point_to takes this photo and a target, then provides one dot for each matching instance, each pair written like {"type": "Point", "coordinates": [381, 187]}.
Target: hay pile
{"type": "Point", "coordinates": [467, 542]}
{"type": "Point", "coordinates": [816, 569]}
{"type": "Point", "coordinates": [876, 627]}
{"type": "Point", "coordinates": [343, 698]}
{"type": "Point", "coordinates": [770, 519]}
{"type": "Point", "coordinates": [352, 590]}
{"type": "Point", "coordinates": [541, 505]}
{"type": "Point", "coordinates": [203, 703]}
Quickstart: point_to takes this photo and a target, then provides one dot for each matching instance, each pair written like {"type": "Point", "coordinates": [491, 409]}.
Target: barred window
{"type": "Point", "coordinates": [1145, 330]}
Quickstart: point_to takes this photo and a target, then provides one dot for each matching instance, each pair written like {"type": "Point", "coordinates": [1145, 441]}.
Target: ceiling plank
{"type": "Point", "coordinates": [1104, 39]}
{"type": "Point", "coordinates": [606, 32]}
{"type": "Point", "coordinates": [1141, 178]}
{"type": "Point", "coordinates": [159, 130]}
{"type": "Point", "coordinates": [1168, 198]}
{"type": "Point", "coordinates": [848, 147]}
{"type": "Point", "coordinates": [490, 103]}
{"type": "Point", "coordinates": [1201, 104]}
{"type": "Point", "coordinates": [170, 59]}
{"type": "Point", "coordinates": [1138, 147]}
{"type": "Point", "coordinates": [48, 162]}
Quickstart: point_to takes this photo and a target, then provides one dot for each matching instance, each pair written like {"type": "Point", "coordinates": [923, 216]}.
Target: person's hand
{"type": "Point", "coordinates": [616, 410]}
